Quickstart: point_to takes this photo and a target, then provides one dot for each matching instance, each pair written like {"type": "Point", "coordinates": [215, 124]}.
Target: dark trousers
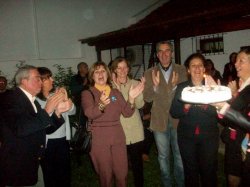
{"type": "Point", "coordinates": [246, 172]}
{"type": "Point", "coordinates": [56, 163]}
{"type": "Point", "coordinates": [148, 141]}
{"type": "Point", "coordinates": [199, 155]}
{"type": "Point", "coordinates": [81, 120]}
{"type": "Point", "coordinates": [135, 157]}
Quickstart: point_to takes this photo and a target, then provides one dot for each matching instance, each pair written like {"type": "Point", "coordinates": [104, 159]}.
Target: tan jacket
{"type": "Point", "coordinates": [162, 98]}
{"type": "Point", "coordinates": [132, 126]}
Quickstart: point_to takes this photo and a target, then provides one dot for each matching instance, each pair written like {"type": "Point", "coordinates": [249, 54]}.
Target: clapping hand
{"type": "Point", "coordinates": [53, 101]}
{"type": "Point", "coordinates": [134, 91]}
{"type": "Point", "coordinates": [64, 106]}
{"type": "Point", "coordinates": [155, 78]}
{"type": "Point", "coordinates": [209, 81]}
{"type": "Point", "coordinates": [175, 79]}
{"type": "Point", "coordinates": [58, 102]}
{"type": "Point", "coordinates": [233, 87]}
{"type": "Point", "coordinates": [63, 91]}
{"type": "Point", "coordinates": [104, 99]}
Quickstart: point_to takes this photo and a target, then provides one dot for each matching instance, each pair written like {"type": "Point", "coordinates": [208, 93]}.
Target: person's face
{"type": "Point", "coordinates": [83, 70]}
{"type": "Point", "coordinates": [33, 83]}
{"type": "Point", "coordinates": [165, 54]}
{"type": "Point", "coordinates": [208, 68]}
{"type": "Point", "coordinates": [122, 70]}
{"type": "Point", "coordinates": [100, 76]}
{"type": "Point", "coordinates": [3, 84]}
{"type": "Point", "coordinates": [196, 69]}
{"type": "Point", "coordinates": [47, 84]}
{"type": "Point", "coordinates": [242, 66]}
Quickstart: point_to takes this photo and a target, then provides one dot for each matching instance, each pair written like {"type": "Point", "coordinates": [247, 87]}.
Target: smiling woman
{"type": "Point", "coordinates": [237, 160]}
{"type": "Point", "coordinates": [56, 163]}
{"type": "Point", "coordinates": [132, 126]}
{"type": "Point", "coordinates": [108, 152]}
{"type": "Point", "coordinates": [198, 132]}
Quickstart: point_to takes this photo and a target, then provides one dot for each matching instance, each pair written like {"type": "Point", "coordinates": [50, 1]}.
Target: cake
{"type": "Point", "coordinates": [206, 94]}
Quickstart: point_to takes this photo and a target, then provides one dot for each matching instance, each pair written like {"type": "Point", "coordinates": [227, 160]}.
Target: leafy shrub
{"type": "Point", "coordinates": [62, 77]}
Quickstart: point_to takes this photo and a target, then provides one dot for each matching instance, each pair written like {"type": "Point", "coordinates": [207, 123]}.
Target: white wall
{"type": "Point", "coordinates": [46, 32]}
{"type": "Point", "coordinates": [232, 43]}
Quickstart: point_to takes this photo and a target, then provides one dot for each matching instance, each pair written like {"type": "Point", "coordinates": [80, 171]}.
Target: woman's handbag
{"type": "Point", "coordinates": [82, 139]}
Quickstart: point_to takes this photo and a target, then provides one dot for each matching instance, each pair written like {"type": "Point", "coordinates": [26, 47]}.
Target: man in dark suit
{"type": "Point", "coordinates": [24, 127]}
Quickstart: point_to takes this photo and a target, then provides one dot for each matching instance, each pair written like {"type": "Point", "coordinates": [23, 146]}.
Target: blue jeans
{"type": "Point", "coordinates": [165, 142]}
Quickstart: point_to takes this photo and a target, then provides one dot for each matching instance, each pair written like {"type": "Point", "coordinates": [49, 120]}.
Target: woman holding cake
{"type": "Point", "coordinates": [198, 133]}
{"type": "Point", "coordinates": [240, 105]}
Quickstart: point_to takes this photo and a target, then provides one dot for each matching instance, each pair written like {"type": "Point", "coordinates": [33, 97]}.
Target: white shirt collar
{"type": "Point", "coordinates": [244, 84]}
{"type": "Point", "coordinates": [31, 98]}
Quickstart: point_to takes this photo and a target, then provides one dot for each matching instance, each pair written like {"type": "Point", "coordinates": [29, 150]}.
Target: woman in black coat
{"type": "Point", "coordinates": [198, 133]}
{"type": "Point", "coordinates": [241, 104]}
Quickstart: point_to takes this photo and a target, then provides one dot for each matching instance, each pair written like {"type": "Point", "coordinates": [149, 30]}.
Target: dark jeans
{"type": "Point", "coordinates": [135, 157]}
{"type": "Point", "coordinates": [56, 163]}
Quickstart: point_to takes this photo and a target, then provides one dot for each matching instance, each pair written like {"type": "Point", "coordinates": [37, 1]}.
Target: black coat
{"type": "Point", "coordinates": [240, 104]}
{"type": "Point", "coordinates": [199, 116]}
{"type": "Point", "coordinates": [23, 139]}
{"type": "Point", "coordinates": [238, 112]}
{"type": "Point", "coordinates": [238, 118]}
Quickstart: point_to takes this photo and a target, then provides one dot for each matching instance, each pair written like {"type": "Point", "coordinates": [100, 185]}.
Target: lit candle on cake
{"type": "Point", "coordinates": [205, 77]}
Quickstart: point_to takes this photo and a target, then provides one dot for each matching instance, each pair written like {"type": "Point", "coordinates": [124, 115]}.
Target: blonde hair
{"type": "Point", "coordinates": [96, 66]}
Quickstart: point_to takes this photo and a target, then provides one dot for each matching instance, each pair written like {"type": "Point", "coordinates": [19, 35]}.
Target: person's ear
{"type": "Point", "coordinates": [24, 81]}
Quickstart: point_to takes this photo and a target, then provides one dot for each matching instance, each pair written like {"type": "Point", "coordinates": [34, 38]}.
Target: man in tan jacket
{"type": "Point", "coordinates": [161, 82]}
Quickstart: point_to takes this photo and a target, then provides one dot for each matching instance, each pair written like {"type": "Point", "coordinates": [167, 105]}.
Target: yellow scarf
{"type": "Point", "coordinates": [106, 89]}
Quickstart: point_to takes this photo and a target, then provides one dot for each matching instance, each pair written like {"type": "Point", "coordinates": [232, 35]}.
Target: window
{"type": "Point", "coordinates": [212, 45]}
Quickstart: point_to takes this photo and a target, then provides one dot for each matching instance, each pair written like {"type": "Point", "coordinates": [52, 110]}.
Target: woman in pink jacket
{"type": "Point", "coordinates": [103, 105]}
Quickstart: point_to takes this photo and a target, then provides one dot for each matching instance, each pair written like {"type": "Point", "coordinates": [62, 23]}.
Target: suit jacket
{"type": "Point", "coordinates": [162, 98]}
{"type": "Point", "coordinates": [23, 140]}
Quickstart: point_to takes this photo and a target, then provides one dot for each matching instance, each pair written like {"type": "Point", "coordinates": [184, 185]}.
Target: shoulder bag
{"type": "Point", "coordinates": [82, 138]}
